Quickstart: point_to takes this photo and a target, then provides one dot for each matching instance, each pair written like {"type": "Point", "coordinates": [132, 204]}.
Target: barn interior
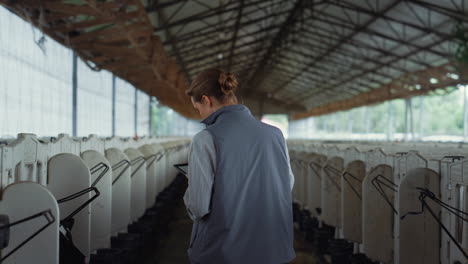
{"type": "Point", "coordinates": [371, 96]}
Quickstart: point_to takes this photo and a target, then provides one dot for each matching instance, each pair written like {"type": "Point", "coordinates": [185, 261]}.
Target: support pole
{"type": "Point", "coordinates": [408, 120]}
{"type": "Point", "coordinates": [160, 122]}
{"type": "Point", "coordinates": [336, 122]}
{"type": "Point", "coordinates": [135, 125]}
{"type": "Point", "coordinates": [421, 118]}
{"type": "Point", "coordinates": [366, 121]}
{"type": "Point", "coordinates": [113, 104]}
{"type": "Point", "coordinates": [74, 95]}
{"type": "Point", "coordinates": [465, 113]}
{"type": "Point", "coordinates": [150, 115]}
{"type": "Point", "coordinates": [310, 126]}
{"type": "Point", "coordinates": [325, 124]}
{"type": "Point", "coordinates": [411, 117]}
{"type": "Point", "coordinates": [390, 121]}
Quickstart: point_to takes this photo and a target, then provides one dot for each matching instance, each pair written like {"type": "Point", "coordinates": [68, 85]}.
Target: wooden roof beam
{"type": "Point", "coordinates": [325, 74]}
{"type": "Point", "coordinates": [371, 32]}
{"type": "Point", "coordinates": [180, 61]}
{"type": "Point", "coordinates": [350, 55]}
{"type": "Point", "coordinates": [358, 8]}
{"type": "Point", "coordinates": [320, 81]}
{"type": "Point", "coordinates": [309, 81]}
{"type": "Point", "coordinates": [154, 6]}
{"type": "Point", "coordinates": [340, 43]}
{"type": "Point", "coordinates": [306, 97]}
{"type": "Point", "coordinates": [214, 54]}
{"type": "Point", "coordinates": [236, 31]}
{"type": "Point", "coordinates": [208, 14]}
{"type": "Point", "coordinates": [398, 89]}
{"type": "Point", "coordinates": [191, 49]}
{"type": "Point", "coordinates": [456, 14]}
{"type": "Point", "coordinates": [260, 73]}
{"type": "Point", "coordinates": [365, 46]}
{"type": "Point", "coordinates": [197, 34]}
{"type": "Point", "coordinates": [216, 60]}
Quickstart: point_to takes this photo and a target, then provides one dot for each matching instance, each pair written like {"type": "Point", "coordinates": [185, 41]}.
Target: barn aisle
{"type": "Point", "coordinates": [173, 249]}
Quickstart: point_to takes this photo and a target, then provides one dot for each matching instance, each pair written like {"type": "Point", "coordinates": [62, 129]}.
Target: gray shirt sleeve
{"type": "Point", "coordinates": [291, 175]}
{"type": "Point", "coordinates": [201, 172]}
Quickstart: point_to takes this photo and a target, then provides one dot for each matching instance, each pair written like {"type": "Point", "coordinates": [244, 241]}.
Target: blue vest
{"type": "Point", "coordinates": [250, 221]}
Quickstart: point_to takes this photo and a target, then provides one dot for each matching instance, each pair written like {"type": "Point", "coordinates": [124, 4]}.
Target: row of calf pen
{"type": "Point", "coordinates": [382, 203]}
{"type": "Point", "coordinates": [76, 200]}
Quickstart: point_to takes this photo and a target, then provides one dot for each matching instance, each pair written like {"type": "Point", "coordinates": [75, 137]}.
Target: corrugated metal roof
{"type": "Point", "coordinates": [303, 57]}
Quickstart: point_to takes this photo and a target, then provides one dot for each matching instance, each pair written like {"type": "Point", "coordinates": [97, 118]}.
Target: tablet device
{"type": "Point", "coordinates": [182, 168]}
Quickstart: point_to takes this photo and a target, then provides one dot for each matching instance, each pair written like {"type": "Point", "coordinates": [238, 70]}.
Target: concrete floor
{"type": "Point", "coordinates": [173, 250]}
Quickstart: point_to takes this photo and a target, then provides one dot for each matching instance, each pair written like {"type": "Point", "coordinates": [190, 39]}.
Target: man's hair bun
{"type": "Point", "coordinates": [227, 82]}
